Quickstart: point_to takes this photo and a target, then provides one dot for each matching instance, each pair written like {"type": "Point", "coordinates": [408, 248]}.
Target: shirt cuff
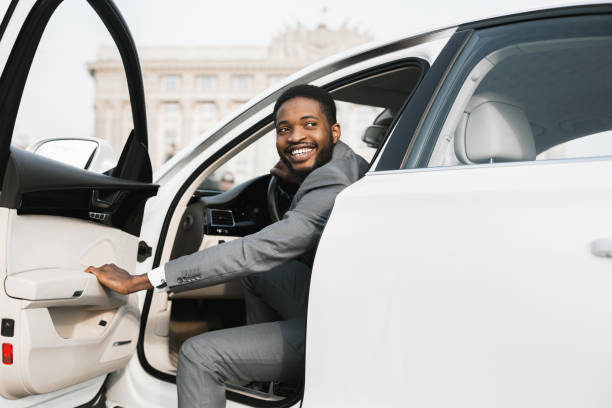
{"type": "Point", "coordinates": [157, 277]}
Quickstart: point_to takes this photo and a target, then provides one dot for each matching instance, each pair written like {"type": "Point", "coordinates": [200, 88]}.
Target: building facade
{"type": "Point", "coordinates": [188, 89]}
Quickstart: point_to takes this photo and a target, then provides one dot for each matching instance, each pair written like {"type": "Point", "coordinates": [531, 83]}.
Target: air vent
{"type": "Point", "coordinates": [221, 218]}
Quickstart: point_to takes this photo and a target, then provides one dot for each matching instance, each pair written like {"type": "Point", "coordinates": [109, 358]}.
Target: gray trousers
{"type": "Point", "coordinates": [270, 348]}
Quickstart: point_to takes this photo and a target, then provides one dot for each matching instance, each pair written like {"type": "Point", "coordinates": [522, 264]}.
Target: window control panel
{"type": "Point", "coordinates": [8, 328]}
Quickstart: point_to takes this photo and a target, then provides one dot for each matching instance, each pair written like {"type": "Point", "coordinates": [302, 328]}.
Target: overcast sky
{"type": "Point", "coordinates": [59, 96]}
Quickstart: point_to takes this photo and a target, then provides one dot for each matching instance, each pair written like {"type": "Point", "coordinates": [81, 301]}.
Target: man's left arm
{"type": "Point", "coordinates": [296, 233]}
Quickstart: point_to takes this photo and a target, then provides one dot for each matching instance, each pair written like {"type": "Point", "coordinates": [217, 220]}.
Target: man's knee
{"type": "Point", "coordinates": [200, 352]}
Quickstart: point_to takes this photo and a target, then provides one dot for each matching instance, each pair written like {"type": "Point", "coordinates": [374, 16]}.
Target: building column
{"type": "Point", "coordinates": [187, 133]}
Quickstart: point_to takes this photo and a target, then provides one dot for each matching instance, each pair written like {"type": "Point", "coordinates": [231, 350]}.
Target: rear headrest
{"type": "Point", "coordinates": [493, 128]}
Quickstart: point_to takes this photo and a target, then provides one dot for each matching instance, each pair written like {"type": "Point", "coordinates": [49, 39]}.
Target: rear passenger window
{"type": "Point", "coordinates": [538, 90]}
{"type": "Point", "coordinates": [596, 145]}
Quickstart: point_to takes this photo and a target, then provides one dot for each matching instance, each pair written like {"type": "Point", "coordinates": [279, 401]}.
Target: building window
{"type": "Point", "coordinates": [171, 82]}
{"type": "Point", "coordinates": [243, 82]}
{"type": "Point", "coordinates": [274, 79]}
{"type": "Point", "coordinates": [171, 111]}
{"type": "Point", "coordinates": [207, 82]}
{"type": "Point", "coordinates": [170, 141]}
{"type": "Point", "coordinates": [207, 111]}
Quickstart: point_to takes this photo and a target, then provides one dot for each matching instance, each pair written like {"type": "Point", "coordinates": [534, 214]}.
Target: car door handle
{"type": "Point", "coordinates": [602, 247]}
{"type": "Point", "coordinates": [97, 202]}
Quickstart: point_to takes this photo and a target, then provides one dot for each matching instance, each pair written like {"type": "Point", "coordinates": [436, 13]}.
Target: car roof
{"type": "Point", "coordinates": [460, 13]}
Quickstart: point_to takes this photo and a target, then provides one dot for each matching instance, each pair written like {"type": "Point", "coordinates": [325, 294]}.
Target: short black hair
{"type": "Point", "coordinates": [328, 106]}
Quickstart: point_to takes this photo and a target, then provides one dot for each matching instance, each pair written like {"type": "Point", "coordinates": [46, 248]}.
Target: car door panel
{"type": "Point", "coordinates": [72, 396]}
{"type": "Point", "coordinates": [43, 266]}
{"type": "Point", "coordinates": [63, 316]}
{"type": "Point", "coordinates": [71, 340]}
{"type": "Point", "coordinates": [491, 292]}
{"type": "Point", "coordinates": [38, 185]}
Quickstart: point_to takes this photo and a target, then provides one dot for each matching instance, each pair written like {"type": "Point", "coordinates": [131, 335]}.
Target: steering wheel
{"type": "Point", "coordinates": [273, 199]}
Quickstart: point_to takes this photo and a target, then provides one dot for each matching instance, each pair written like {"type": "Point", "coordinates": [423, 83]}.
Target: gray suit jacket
{"type": "Point", "coordinates": [296, 235]}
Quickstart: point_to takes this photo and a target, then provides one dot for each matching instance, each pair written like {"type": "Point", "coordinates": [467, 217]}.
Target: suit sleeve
{"type": "Point", "coordinates": [297, 232]}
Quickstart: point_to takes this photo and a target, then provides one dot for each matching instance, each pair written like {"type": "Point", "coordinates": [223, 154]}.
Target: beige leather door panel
{"type": "Point", "coordinates": [67, 328]}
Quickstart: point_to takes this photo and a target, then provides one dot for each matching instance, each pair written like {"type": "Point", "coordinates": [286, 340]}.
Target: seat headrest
{"type": "Point", "coordinates": [493, 128]}
{"type": "Point", "coordinates": [384, 121]}
{"type": "Point", "coordinates": [374, 135]}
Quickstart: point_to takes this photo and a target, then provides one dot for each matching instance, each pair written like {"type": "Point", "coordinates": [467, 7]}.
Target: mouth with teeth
{"type": "Point", "coordinates": [300, 153]}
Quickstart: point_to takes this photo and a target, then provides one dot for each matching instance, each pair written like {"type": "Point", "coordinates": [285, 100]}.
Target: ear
{"type": "Point", "coordinates": [335, 130]}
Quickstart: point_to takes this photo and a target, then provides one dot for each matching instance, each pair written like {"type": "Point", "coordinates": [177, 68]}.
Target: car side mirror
{"type": "Point", "coordinates": [87, 153]}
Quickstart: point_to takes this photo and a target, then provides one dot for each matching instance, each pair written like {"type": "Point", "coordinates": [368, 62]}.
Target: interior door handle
{"type": "Point", "coordinates": [602, 247]}
{"type": "Point", "coordinates": [97, 202]}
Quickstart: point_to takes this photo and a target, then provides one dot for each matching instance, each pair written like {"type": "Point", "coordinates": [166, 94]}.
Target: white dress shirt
{"type": "Point", "coordinates": [157, 277]}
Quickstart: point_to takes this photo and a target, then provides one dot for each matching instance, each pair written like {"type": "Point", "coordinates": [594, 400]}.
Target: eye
{"type": "Point", "coordinates": [310, 124]}
{"type": "Point", "coordinates": [282, 129]}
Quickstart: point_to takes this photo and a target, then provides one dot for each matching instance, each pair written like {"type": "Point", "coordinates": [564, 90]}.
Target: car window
{"type": "Point", "coordinates": [259, 157]}
{"type": "Point", "coordinates": [59, 84]}
{"type": "Point", "coordinates": [256, 159]}
{"type": "Point", "coordinates": [596, 145]}
{"type": "Point", "coordinates": [354, 119]}
{"type": "Point", "coordinates": [539, 90]}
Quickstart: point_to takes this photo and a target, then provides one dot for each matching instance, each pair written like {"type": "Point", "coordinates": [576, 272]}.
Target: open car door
{"type": "Point", "coordinates": [59, 326]}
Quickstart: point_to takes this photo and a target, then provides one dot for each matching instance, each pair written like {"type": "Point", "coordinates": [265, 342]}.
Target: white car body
{"type": "Point", "coordinates": [465, 285]}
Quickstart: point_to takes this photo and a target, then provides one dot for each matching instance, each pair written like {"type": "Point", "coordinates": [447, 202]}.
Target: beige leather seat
{"type": "Point", "coordinates": [494, 128]}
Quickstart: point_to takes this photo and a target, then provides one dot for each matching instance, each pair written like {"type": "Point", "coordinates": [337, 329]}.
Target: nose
{"type": "Point", "coordinates": [296, 136]}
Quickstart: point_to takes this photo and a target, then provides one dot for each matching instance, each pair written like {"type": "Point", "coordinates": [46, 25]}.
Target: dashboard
{"type": "Point", "coordinates": [238, 212]}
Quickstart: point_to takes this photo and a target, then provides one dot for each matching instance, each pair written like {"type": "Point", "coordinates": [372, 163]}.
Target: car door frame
{"type": "Point", "coordinates": [29, 22]}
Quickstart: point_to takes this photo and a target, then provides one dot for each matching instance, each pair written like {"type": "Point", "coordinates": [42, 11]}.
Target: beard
{"type": "Point", "coordinates": [322, 158]}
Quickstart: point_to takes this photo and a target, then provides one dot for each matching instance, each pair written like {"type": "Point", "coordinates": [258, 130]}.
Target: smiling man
{"type": "Point", "coordinates": [274, 263]}
{"type": "Point", "coordinates": [311, 144]}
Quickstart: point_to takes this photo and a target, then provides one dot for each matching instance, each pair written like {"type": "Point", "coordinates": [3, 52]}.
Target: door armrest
{"type": "Point", "coordinates": [57, 284]}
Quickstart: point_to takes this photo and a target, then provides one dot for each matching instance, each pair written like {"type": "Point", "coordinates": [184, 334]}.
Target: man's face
{"type": "Point", "coordinates": [304, 138]}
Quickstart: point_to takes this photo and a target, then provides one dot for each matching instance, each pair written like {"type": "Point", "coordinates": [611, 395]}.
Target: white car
{"type": "Point", "coordinates": [469, 267]}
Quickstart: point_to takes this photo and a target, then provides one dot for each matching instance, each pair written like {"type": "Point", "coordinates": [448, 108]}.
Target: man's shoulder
{"type": "Point", "coordinates": [345, 167]}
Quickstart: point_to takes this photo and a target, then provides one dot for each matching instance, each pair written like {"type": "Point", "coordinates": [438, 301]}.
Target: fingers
{"type": "Point", "coordinates": [99, 268]}
{"type": "Point", "coordinates": [96, 270]}
{"type": "Point", "coordinates": [91, 269]}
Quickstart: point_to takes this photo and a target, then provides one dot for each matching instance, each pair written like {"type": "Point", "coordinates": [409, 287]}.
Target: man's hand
{"type": "Point", "coordinates": [284, 174]}
{"type": "Point", "coordinates": [119, 280]}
